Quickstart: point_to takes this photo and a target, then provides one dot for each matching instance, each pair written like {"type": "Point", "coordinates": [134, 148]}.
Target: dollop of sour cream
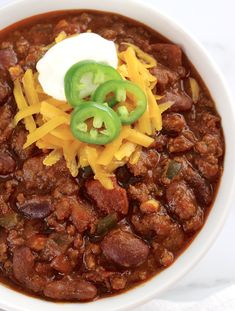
{"type": "Point", "coordinates": [53, 66]}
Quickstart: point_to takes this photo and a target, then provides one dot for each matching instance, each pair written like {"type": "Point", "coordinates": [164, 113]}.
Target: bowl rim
{"type": "Point", "coordinates": [167, 279]}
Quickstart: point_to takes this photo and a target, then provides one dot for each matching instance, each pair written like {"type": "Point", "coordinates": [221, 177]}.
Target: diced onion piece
{"type": "Point", "coordinates": [194, 89]}
{"type": "Point", "coordinates": [22, 104]}
{"type": "Point", "coordinates": [43, 130]}
{"type": "Point", "coordinates": [53, 157]}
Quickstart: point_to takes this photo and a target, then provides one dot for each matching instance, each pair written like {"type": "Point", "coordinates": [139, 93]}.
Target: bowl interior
{"type": "Point", "coordinates": [150, 16]}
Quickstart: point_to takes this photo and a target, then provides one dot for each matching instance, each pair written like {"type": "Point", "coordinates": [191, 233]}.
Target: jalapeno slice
{"type": "Point", "coordinates": [83, 78]}
{"type": "Point", "coordinates": [95, 123]}
{"type": "Point", "coordinates": [120, 91]}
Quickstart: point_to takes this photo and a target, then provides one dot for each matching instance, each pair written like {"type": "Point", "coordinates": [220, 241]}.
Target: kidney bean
{"type": "Point", "coordinates": [124, 249]}
{"type": "Point", "coordinates": [70, 289]}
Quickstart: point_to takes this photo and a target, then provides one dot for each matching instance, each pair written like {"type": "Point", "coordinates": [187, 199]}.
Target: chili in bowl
{"type": "Point", "coordinates": [112, 150]}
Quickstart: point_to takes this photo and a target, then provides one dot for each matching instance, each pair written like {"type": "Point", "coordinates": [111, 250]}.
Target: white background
{"type": "Point", "coordinates": [213, 23]}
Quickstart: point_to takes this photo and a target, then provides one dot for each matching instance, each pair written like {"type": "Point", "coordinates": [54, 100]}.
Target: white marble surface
{"type": "Point", "coordinates": [213, 23]}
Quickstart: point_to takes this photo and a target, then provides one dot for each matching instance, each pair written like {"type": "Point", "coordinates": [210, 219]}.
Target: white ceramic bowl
{"type": "Point", "coordinates": [149, 15]}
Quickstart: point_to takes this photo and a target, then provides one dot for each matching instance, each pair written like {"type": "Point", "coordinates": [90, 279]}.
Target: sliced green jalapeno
{"type": "Point", "coordinates": [83, 78]}
{"type": "Point", "coordinates": [95, 123]}
{"type": "Point", "coordinates": [120, 91]}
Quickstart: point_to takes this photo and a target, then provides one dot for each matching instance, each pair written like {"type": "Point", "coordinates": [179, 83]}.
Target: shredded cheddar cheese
{"type": "Point", "coordinates": [50, 139]}
{"type": "Point", "coordinates": [45, 146]}
{"type": "Point", "coordinates": [70, 154]}
{"type": "Point", "coordinates": [134, 75]}
{"type": "Point", "coordinates": [22, 104]}
{"type": "Point", "coordinates": [83, 161]}
{"type": "Point", "coordinates": [49, 112]}
{"type": "Point", "coordinates": [29, 88]}
{"type": "Point", "coordinates": [27, 112]}
{"type": "Point", "coordinates": [44, 129]}
{"type": "Point", "coordinates": [134, 158]}
{"type": "Point", "coordinates": [125, 150]}
{"type": "Point", "coordinates": [165, 106]}
{"type": "Point", "coordinates": [148, 60]}
{"type": "Point", "coordinates": [155, 112]}
{"type": "Point", "coordinates": [107, 154]}
{"type": "Point", "coordinates": [48, 121]}
{"type": "Point", "coordinates": [100, 174]}
{"type": "Point", "coordinates": [138, 138]}
{"type": "Point", "coordinates": [53, 157]}
{"type": "Point", "coordinates": [63, 132]}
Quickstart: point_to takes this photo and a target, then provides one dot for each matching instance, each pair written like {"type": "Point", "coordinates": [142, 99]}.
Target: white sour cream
{"type": "Point", "coordinates": [53, 66]}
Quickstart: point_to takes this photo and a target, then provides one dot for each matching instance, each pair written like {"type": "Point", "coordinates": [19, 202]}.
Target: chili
{"type": "Point", "coordinates": [65, 256]}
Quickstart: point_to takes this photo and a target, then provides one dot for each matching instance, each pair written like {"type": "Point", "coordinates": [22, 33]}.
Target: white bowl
{"type": "Point", "coordinates": [149, 15]}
